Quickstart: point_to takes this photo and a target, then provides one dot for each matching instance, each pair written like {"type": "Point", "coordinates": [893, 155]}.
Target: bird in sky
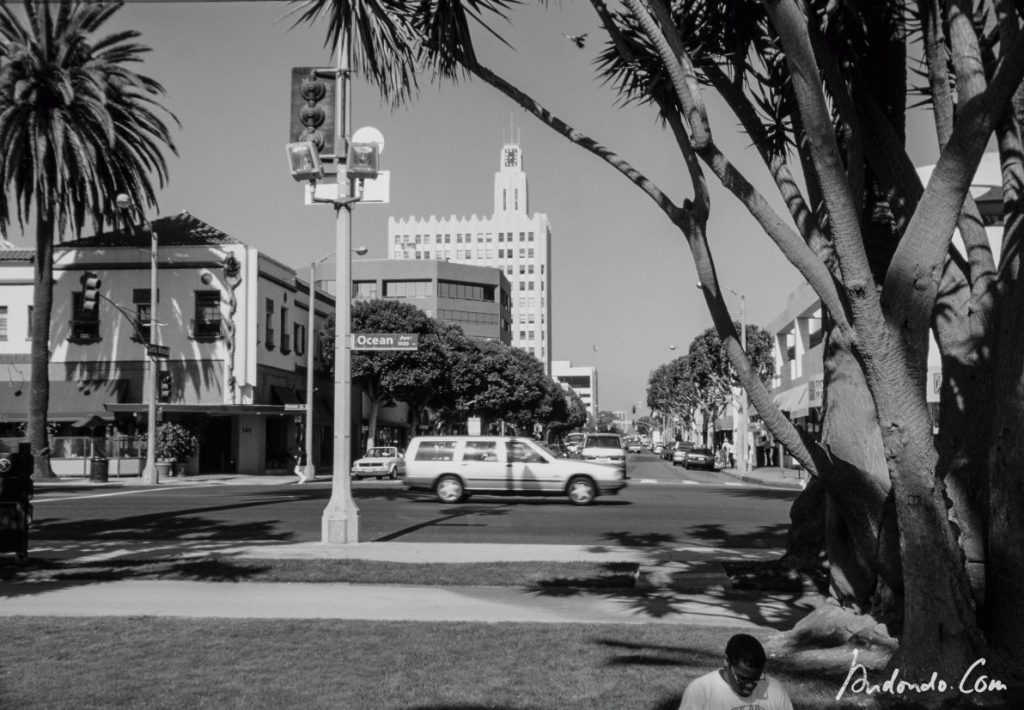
{"type": "Point", "coordinates": [578, 40]}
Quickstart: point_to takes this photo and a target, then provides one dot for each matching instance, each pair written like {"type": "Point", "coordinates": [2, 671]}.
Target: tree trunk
{"type": "Point", "coordinates": [39, 390]}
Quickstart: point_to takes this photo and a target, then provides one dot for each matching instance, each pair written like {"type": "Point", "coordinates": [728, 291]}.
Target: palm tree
{"type": "Point", "coordinates": [76, 128]}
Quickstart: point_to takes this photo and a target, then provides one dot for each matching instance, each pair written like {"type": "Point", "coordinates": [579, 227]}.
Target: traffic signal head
{"type": "Point", "coordinates": [363, 159]}
{"type": "Point", "coordinates": [312, 108]}
{"type": "Point", "coordinates": [304, 161]}
{"type": "Point", "coordinates": [165, 387]}
{"type": "Point", "coordinates": [90, 291]}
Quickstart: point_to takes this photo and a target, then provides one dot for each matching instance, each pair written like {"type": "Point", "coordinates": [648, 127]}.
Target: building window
{"type": "Point", "coordinates": [85, 325]}
{"type": "Point", "coordinates": [143, 313]}
{"type": "Point", "coordinates": [299, 337]}
{"type": "Point", "coordinates": [407, 289]}
{"type": "Point", "coordinates": [268, 323]}
{"type": "Point", "coordinates": [364, 290]}
{"type": "Point", "coordinates": [286, 346]}
{"type": "Point", "coordinates": [208, 319]}
{"type": "Point", "coordinates": [530, 253]}
{"type": "Point", "coordinates": [3, 322]}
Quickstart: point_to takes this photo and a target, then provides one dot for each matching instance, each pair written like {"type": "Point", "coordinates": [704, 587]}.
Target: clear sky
{"type": "Point", "coordinates": [623, 283]}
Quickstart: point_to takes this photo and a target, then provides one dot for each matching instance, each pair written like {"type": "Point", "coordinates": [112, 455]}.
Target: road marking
{"type": "Point", "coordinates": [731, 483]}
{"type": "Point", "coordinates": [691, 483]}
{"type": "Point", "coordinates": [37, 500]}
{"type": "Point", "coordinates": [648, 480]}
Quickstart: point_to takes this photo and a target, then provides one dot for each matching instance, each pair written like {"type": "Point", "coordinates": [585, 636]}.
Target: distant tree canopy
{"type": "Point", "coordinates": [454, 376]}
{"type": "Point", "coordinates": [703, 380]}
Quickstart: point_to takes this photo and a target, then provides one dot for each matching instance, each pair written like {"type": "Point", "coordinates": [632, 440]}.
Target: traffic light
{"type": "Point", "coordinates": [90, 291]}
{"type": "Point", "coordinates": [165, 387]}
{"type": "Point", "coordinates": [312, 105]}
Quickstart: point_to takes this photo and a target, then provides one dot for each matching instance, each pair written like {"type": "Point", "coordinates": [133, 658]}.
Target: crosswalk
{"type": "Point", "coordinates": [651, 481]}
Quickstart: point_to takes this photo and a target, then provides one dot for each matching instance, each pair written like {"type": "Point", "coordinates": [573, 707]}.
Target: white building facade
{"type": "Point", "coordinates": [583, 381]}
{"type": "Point", "coordinates": [511, 239]}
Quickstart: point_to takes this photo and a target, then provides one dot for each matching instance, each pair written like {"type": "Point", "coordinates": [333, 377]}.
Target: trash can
{"type": "Point", "coordinates": [98, 469]}
{"type": "Point", "coordinates": [15, 509]}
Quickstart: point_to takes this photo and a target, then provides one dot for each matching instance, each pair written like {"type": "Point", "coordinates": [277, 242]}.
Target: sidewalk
{"type": "Point", "coordinates": [771, 476]}
{"type": "Point", "coordinates": [684, 586]}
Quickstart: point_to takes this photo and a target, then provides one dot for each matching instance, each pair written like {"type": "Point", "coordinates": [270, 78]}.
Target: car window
{"type": "Point", "coordinates": [441, 450]}
{"type": "Point", "coordinates": [608, 442]}
{"type": "Point", "coordinates": [380, 452]}
{"type": "Point", "coordinates": [480, 451]}
{"type": "Point", "coordinates": [522, 453]}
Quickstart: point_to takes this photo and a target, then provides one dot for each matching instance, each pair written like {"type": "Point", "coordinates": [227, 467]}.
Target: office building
{"type": "Point", "coordinates": [511, 239]}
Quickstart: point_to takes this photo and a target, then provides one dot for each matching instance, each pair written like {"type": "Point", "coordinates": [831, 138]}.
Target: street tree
{"type": "Point", "coordinates": [670, 391]}
{"type": "Point", "coordinates": [713, 381]}
{"type": "Point", "coordinates": [390, 376]}
{"type": "Point", "coordinates": [77, 127]}
{"type": "Point", "coordinates": [927, 528]}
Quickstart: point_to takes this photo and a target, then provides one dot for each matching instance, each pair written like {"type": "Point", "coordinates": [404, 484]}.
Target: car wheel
{"type": "Point", "coordinates": [449, 489]}
{"type": "Point", "coordinates": [393, 473]}
{"type": "Point", "coordinates": [581, 491]}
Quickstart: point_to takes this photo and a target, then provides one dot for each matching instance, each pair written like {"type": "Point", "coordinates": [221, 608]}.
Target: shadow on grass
{"type": "Point", "coordinates": [777, 607]}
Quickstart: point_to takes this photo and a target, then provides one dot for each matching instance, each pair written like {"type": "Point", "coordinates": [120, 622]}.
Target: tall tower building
{"type": "Point", "coordinates": [511, 239]}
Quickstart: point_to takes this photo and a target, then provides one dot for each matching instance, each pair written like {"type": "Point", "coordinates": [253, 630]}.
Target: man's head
{"type": "Point", "coordinates": [744, 664]}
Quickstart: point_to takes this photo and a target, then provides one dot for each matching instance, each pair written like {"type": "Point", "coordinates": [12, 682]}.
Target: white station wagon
{"type": "Point", "coordinates": [454, 467]}
{"type": "Point", "coordinates": [379, 462]}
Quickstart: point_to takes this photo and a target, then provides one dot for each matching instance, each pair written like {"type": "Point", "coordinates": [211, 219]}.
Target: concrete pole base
{"type": "Point", "coordinates": [308, 473]}
{"type": "Point", "coordinates": [340, 523]}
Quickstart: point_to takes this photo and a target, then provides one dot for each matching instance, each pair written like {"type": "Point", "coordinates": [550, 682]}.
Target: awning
{"type": "Point", "coordinates": [69, 401]}
{"type": "Point", "coordinates": [795, 400]}
{"type": "Point", "coordinates": [213, 410]}
{"type": "Point", "coordinates": [96, 420]}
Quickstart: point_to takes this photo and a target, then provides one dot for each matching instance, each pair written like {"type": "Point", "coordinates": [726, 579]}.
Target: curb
{"type": "Point", "coordinates": [797, 485]}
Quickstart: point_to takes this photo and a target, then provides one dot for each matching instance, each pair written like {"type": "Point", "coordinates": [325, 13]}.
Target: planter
{"type": "Point", "coordinates": [164, 468]}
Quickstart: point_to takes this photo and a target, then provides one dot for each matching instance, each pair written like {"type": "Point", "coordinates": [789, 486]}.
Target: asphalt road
{"type": "Point", "coordinates": [663, 505]}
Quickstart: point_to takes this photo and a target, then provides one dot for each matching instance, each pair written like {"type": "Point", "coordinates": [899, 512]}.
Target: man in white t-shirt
{"type": "Point", "coordinates": [740, 685]}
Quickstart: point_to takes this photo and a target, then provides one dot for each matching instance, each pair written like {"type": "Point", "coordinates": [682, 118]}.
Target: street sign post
{"type": "Point", "coordinates": [385, 341]}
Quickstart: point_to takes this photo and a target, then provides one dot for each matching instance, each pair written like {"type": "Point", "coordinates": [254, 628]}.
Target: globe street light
{"type": "Point", "coordinates": [309, 472]}
{"type": "Point", "coordinates": [149, 472]}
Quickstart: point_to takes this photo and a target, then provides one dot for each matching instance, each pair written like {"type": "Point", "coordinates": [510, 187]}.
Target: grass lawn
{"type": "Point", "coordinates": [148, 663]}
{"type": "Point", "coordinates": [214, 568]}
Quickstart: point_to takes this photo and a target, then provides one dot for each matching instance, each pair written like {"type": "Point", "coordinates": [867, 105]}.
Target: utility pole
{"type": "Point", "coordinates": [340, 521]}
{"type": "Point", "coordinates": [149, 472]}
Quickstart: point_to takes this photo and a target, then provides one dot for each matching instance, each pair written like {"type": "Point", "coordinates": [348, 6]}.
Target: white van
{"type": "Point", "coordinates": [454, 467]}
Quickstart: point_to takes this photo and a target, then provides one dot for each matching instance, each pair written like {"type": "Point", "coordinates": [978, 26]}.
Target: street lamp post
{"type": "Point", "coordinates": [309, 473]}
{"type": "Point", "coordinates": [149, 472]}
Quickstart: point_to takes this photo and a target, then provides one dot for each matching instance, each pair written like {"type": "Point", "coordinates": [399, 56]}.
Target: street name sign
{"type": "Point", "coordinates": [158, 351]}
{"type": "Point", "coordinates": [300, 407]}
{"type": "Point", "coordinates": [385, 341]}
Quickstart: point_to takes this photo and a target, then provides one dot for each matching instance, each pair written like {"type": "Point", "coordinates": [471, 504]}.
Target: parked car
{"type": "Point", "coordinates": [658, 449]}
{"type": "Point", "coordinates": [604, 448]}
{"type": "Point", "coordinates": [455, 467]}
{"type": "Point", "coordinates": [380, 462]}
{"type": "Point", "coordinates": [700, 458]}
{"type": "Point", "coordinates": [680, 452]}
{"type": "Point", "coordinates": [573, 443]}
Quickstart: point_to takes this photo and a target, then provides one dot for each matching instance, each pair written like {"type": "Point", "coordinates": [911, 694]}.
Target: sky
{"type": "Point", "coordinates": [624, 288]}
